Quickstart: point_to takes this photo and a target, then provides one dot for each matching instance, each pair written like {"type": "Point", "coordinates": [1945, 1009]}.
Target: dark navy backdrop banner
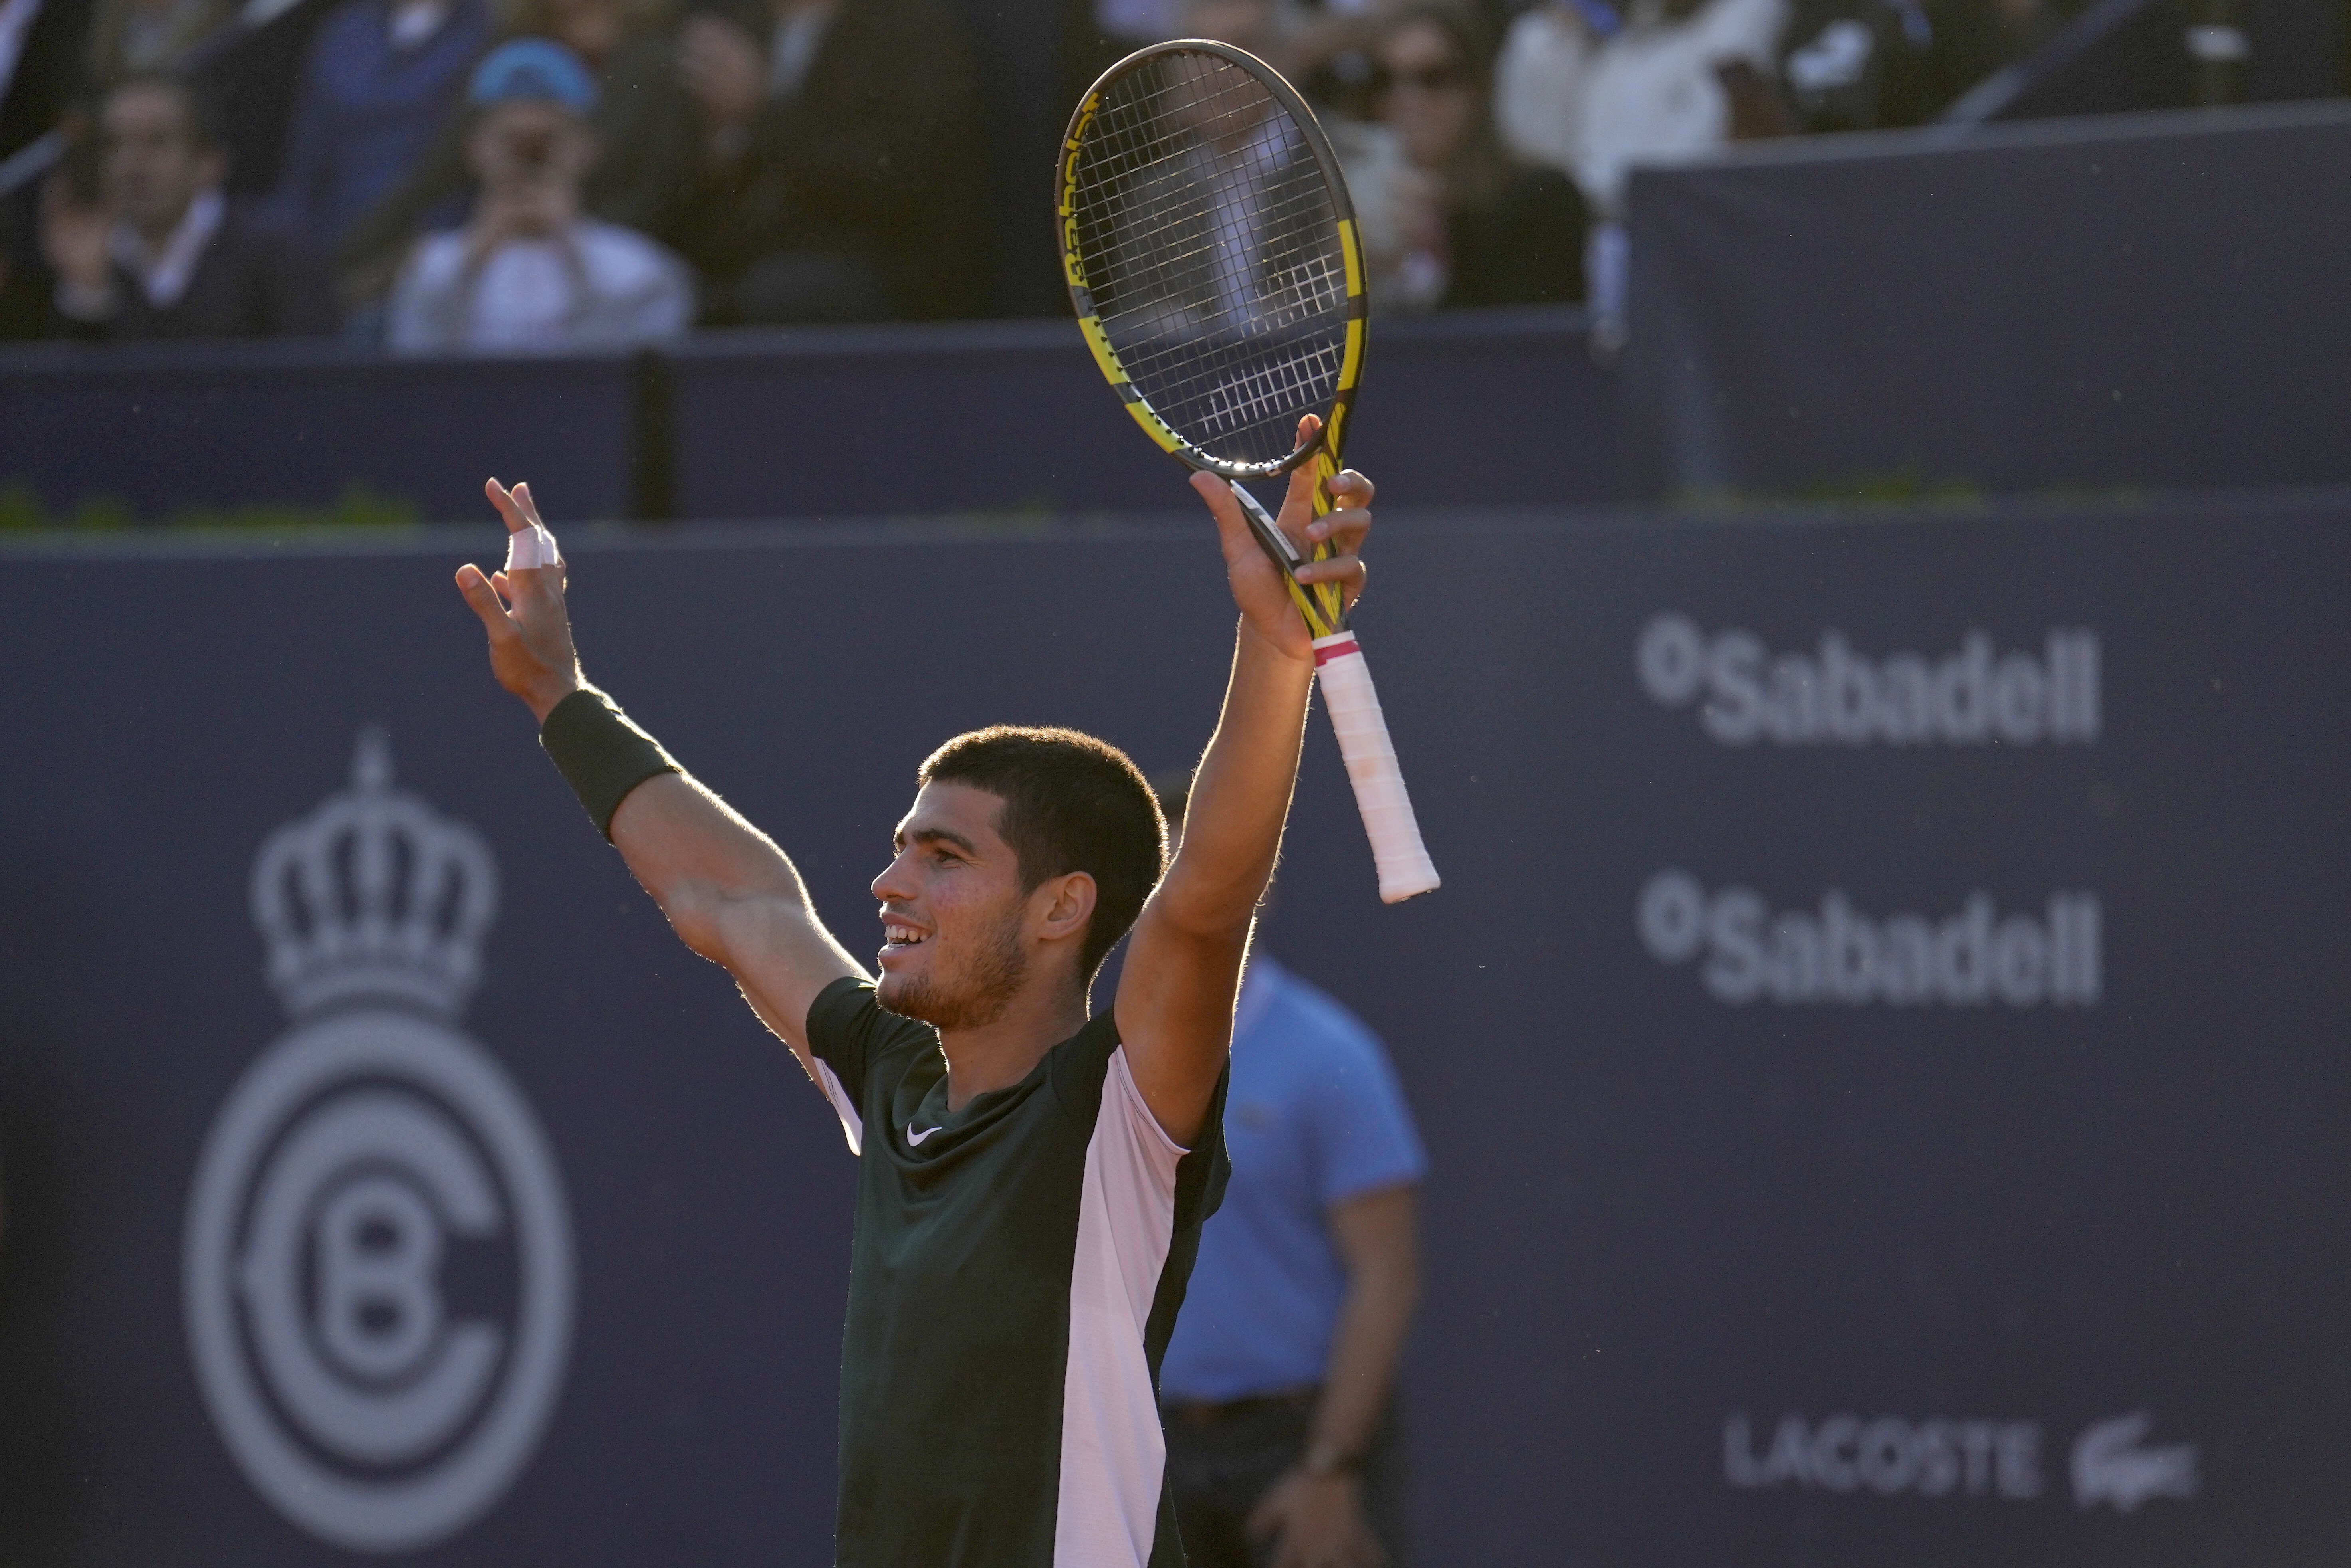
{"type": "Point", "coordinates": [160, 429]}
{"type": "Point", "coordinates": [2140, 301]}
{"type": "Point", "coordinates": [1014, 416]}
{"type": "Point", "coordinates": [1878, 1041]}
{"type": "Point", "coordinates": [854, 422]}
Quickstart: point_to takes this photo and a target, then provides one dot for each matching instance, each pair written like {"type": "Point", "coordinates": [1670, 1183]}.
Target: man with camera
{"type": "Point", "coordinates": [530, 273]}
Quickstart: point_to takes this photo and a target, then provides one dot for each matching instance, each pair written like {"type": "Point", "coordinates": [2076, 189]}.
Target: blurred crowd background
{"type": "Point", "coordinates": [519, 175]}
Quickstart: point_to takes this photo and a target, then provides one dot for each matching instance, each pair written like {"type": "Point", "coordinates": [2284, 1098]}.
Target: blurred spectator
{"type": "Point", "coordinates": [382, 78]}
{"type": "Point", "coordinates": [1539, 80]}
{"type": "Point", "coordinates": [153, 37]}
{"type": "Point", "coordinates": [44, 57]}
{"type": "Point", "coordinates": [1843, 65]}
{"type": "Point", "coordinates": [1391, 199]}
{"type": "Point", "coordinates": [1863, 65]}
{"type": "Point", "coordinates": [1396, 206]}
{"type": "Point", "coordinates": [645, 131]}
{"type": "Point", "coordinates": [530, 273]}
{"type": "Point", "coordinates": [1679, 80]}
{"type": "Point", "coordinates": [842, 178]}
{"type": "Point", "coordinates": [1675, 82]}
{"type": "Point", "coordinates": [1446, 219]}
{"type": "Point", "coordinates": [160, 253]}
{"type": "Point", "coordinates": [1480, 229]}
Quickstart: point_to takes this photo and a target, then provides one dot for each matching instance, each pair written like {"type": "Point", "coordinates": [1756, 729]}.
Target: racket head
{"type": "Point", "coordinates": [1211, 254]}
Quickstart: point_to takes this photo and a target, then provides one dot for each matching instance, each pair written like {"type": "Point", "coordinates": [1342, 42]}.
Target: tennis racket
{"type": "Point", "coordinates": [1211, 254]}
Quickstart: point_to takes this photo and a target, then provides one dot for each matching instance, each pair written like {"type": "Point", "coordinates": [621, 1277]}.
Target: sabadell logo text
{"type": "Point", "coordinates": [1971, 695]}
{"type": "Point", "coordinates": [1977, 955]}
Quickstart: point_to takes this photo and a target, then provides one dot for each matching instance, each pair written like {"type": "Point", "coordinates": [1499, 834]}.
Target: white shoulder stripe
{"type": "Point", "coordinates": [852, 1125]}
{"type": "Point", "coordinates": [1113, 1455]}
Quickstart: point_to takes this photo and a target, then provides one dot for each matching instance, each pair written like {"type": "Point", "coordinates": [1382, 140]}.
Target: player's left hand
{"type": "Point", "coordinates": [523, 611]}
{"type": "Point", "coordinates": [1257, 582]}
{"type": "Point", "coordinates": [1315, 1521]}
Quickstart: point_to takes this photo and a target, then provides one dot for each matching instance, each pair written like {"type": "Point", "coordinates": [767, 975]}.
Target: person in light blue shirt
{"type": "Point", "coordinates": [1281, 1443]}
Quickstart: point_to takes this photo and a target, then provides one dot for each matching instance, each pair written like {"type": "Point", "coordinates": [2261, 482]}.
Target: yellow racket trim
{"type": "Point", "coordinates": [1321, 605]}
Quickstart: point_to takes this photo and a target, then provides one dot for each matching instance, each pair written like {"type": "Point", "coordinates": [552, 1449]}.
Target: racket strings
{"type": "Point", "coordinates": [1209, 238]}
{"type": "Point", "coordinates": [1210, 281]}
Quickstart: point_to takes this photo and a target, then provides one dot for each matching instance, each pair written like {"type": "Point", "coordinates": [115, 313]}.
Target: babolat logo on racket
{"type": "Point", "coordinates": [1975, 695]}
{"type": "Point", "coordinates": [377, 1269]}
{"type": "Point", "coordinates": [1975, 956]}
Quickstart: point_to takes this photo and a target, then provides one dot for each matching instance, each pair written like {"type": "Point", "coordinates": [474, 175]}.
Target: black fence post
{"type": "Point", "coordinates": [652, 428]}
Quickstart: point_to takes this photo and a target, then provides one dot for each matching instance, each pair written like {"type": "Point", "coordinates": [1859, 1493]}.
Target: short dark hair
{"type": "Point", "coordinates": [1071, 803]}
{"type": "Point", "coordinates": [1174, 790]}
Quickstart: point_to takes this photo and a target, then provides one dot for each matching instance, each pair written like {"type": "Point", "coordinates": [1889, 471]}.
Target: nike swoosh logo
{"type": "Point", "coordinates": [912, 1137]}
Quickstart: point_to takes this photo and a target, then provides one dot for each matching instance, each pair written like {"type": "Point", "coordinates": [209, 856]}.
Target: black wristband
{"type": "Point", "coordinates": [600, 753]}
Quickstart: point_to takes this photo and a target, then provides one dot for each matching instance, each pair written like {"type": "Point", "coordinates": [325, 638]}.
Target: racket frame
{"type": "Point", "coordinates": [1287, 560]}
{"type": "Point", "coordinates": [1328, 440]}
{"type": "Point", "coordinates": [1405, 869]}
{"type": "Point", "coordinates": [1322, 606]}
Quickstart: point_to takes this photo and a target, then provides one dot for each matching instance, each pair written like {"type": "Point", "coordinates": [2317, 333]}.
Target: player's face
{"type": "Point", "coordinates": [955, 952]}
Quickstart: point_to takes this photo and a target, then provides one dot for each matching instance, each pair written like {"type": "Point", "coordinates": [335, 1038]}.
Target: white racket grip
{"type": "Point", "coordinates": [1403, 860]}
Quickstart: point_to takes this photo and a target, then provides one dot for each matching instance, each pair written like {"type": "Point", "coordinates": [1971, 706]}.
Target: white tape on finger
{"type": "Point", "coordinates": [1402, 858]}
{"type": "Point", "coordinates": [532, 546]}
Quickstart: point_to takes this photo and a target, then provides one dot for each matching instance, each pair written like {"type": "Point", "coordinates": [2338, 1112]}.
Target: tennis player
{"type": "Point", "coordinates": [1033, 1181]}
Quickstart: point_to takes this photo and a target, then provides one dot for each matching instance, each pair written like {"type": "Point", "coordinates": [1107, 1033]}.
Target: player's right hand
{"type": "Point", "coordinates": [530, 632]}
{"type": "Point", "coordinates": [1257, 583]}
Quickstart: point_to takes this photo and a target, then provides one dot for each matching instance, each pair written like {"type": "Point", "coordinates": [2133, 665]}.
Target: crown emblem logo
{"type": "Point", "coordinates": [374, 895]}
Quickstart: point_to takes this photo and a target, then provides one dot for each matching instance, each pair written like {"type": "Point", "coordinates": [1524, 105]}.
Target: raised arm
{"type": "Point", "coordinates": [730, 893]}
{"type": "Point", "coordinates": [1175, 995]}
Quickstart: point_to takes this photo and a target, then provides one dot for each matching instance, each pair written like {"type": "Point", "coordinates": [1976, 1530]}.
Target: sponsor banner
{"type": "Point", "coordinates": [2112, 1464]}
{"type": "Point", "coordinates": [1979, 956]}
{"type": "Point", "coordinates": [1911, 1133]}
{"type": "Point", "coordinates": [1888, 1454]}
{"type": "Point", "coordinates": [1977, 695]}
{"type": "Point", "coordinates": [349, 1163]}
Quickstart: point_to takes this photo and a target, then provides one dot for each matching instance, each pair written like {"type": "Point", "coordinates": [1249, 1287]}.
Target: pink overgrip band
{"type": "Point", "coordinates": [1337, 645]}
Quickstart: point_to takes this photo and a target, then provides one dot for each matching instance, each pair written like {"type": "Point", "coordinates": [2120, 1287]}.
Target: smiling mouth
{"type": "Point", "coordinates": [903, 936]}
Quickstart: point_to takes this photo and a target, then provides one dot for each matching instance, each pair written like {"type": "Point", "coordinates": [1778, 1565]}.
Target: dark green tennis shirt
{"type": "Point", "coordinates": [1016, 1273]}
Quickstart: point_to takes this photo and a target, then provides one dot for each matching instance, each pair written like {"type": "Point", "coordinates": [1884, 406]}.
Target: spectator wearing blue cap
{"type": "Point", "coordinates": [647, 138]}
{"type": "Point", "coordinates": [530, 273]}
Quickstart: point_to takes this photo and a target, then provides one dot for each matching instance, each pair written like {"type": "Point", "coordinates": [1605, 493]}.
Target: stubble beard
{"type": "Point", "coordinates": [974, 998]}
